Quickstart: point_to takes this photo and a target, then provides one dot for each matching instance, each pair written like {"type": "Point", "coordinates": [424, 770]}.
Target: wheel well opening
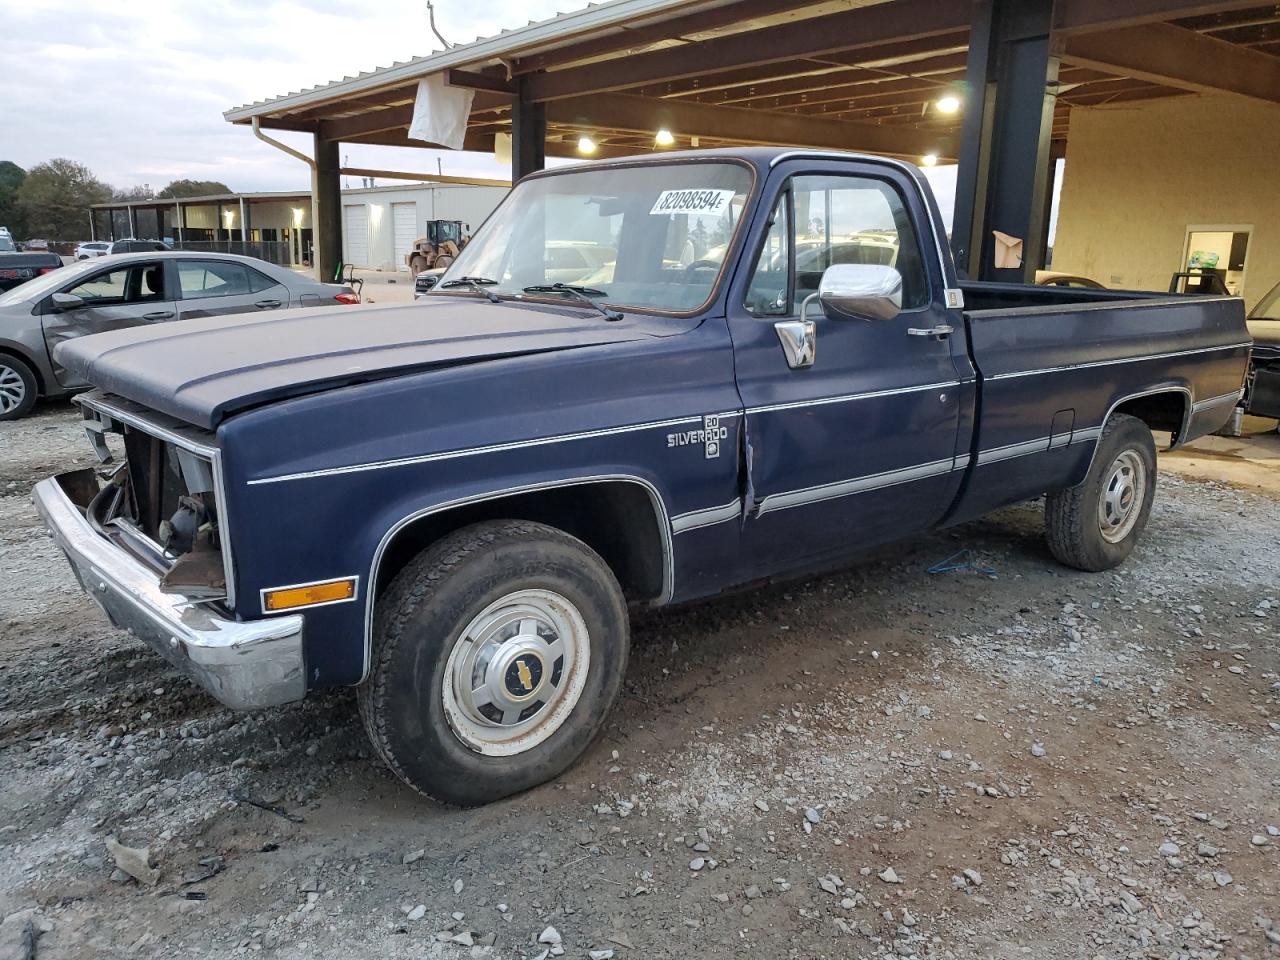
{"type": "Point", "coordinates": [1160, 411]}
{"type": "Point", "coordinates": [617, 519]}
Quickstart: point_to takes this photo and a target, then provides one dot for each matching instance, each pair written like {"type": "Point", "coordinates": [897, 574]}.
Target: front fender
{"type": "Point", "coordinates": [319, 486]}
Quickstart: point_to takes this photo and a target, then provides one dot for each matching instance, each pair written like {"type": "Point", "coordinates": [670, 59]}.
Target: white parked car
{"type": "Point", "coordinates": [92, 248]}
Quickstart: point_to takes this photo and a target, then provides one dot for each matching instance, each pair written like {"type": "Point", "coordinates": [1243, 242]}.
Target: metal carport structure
{"type": "Point", "coordinates": [862, 75]}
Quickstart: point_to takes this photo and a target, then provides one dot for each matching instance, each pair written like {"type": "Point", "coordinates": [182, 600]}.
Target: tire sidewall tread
{"type": "Point", "coordinates": [1071, 515]}
{"type": "Point", "coordinates": [436, 595]}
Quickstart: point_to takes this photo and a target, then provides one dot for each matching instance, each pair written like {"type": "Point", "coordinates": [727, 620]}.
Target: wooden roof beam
{"type": "Point", "coordinates": [847, 30]}
{"type": "Point", "coordinates": [619, 111]}
{"type": "Point", "coordinates": [905, 88]}
{"type": "Point", "coordinates": [935, 73]}
{"type": "Point", "coordinates": [1083, 16]}
{"type": "Point", "coordinates": [890, 60]}
{"type": "Point", "coordinates": [1173, 56]}
{"type": "Point", "coordinates": [376, 101]}
{"type": "Point", "coordinates": [378, 121]}
{"type": "Point", "coordinates": [641, 35]}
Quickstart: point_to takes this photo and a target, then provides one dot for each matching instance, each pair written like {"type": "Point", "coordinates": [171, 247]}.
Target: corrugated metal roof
{"type": "Point", "coordinates": [595, 18]}
{"type": "Point", "coordinates": [195, 201]}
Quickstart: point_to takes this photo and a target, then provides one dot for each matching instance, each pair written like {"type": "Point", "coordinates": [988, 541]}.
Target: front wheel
{"type": "Point", "coordinates": [17, 388]}
{"type": "Point", "coordinates": [498, 653]}
{"type": "Point", "coordinates": [1094, 526]}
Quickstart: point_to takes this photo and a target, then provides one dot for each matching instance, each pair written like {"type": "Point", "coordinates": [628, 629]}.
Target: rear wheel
{"type": "Point", "coordinates": [1095, 525]}
{"type": "Point", "coordinates": [498, 653]}
{"type": "Point", "coordinates": [17, 388]}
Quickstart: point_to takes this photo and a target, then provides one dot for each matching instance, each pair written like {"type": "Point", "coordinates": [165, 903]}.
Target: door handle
{"type": "Point", "coordinates": [267, 304]}
{"type": "Point", "coordinates": [799, 342]}
{"type": "Point", "coordinates": [158, 315]}
{"type": "Point", "coordinates": [940, 331]}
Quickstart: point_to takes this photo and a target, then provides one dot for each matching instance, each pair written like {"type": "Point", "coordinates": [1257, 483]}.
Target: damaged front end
{"type": "Point", "coordinates": [148, 542]}
{"type": "Point", "coordinates": [163, 503]}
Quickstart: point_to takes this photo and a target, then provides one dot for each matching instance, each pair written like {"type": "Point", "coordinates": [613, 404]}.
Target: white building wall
{"type": "Point", "coordinates": [280, 216]}
{"type": "Point", "coordinates": [471, 205]}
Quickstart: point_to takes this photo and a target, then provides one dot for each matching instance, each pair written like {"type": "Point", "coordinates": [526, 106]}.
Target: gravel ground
{"type": "Point", "coordinates": [1016, 760]}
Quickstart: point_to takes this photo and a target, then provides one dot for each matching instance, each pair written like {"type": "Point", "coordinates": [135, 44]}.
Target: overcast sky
{"type": "Point", "coordinates": [135, 89]}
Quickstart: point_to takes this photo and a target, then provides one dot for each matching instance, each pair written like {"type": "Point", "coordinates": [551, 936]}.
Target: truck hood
{"type": "Point", "coordinates": [202, 371]}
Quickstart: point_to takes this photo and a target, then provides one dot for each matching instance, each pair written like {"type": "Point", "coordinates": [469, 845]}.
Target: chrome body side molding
{"type": "Point", "coordinates": [697, 519]}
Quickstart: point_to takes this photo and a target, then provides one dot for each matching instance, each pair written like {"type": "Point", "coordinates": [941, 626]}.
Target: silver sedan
{"type": "Point", "coordinates": [127, 290]}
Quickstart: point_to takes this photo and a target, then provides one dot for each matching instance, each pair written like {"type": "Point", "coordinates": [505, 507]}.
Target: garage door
{"type": "Point", "coordinates": [355, 237]}
{"type": "Point", "coordinates": [404, 221]}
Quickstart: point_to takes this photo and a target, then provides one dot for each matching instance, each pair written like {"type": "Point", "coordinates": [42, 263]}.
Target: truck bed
{"type": "Point", "coordinates": [1054, 363]}
{"type": "Point", "coordinates": [980, 296]}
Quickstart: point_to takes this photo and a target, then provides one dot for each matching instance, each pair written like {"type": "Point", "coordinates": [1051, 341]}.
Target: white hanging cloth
{"type": "Point", "coordinates": [440, 112]}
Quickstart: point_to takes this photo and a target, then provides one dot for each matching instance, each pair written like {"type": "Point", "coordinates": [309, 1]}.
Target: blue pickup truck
{"type": "Point", "coordinates": [757, 363]}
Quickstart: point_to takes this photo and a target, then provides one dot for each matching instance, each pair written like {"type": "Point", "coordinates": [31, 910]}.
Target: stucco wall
{"type": "Point", "coordinates": [1137, 175]}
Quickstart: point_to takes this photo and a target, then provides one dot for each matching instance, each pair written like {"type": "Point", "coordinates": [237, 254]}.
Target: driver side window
{"type": "Point", "coordinates": [827, 220]}
{"type": "Point", "coordinates": [105, 288]}
{"type": "Point", "coordinates": [138, 283]}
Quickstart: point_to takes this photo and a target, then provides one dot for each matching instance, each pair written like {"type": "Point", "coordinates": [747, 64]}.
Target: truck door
{"type": "Point", "coordinates": [859, 446]}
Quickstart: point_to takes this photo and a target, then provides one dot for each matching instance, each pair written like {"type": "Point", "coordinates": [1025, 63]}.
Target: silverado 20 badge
{"type": "Point", "coordinates": [709, 436]}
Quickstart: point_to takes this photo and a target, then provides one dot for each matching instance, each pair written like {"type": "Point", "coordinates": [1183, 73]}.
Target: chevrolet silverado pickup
{"type": "Point", "coordinates": [767, 366]}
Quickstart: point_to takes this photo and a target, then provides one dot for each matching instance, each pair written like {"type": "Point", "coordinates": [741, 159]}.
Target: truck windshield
{"type": "Point", "coordinates": [650, 237]}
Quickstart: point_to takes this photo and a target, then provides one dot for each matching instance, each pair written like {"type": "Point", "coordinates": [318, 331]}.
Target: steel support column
{"type": "Point", "coordinates": [326, 211]}
{"type": "Point", "coordinates": [528, 134]}
{"type": "Point", "coordinates": [1005, 141]}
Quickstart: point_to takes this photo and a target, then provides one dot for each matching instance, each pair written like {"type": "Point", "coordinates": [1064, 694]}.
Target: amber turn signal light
{"type": "Point", "coordinates": [289, 598]}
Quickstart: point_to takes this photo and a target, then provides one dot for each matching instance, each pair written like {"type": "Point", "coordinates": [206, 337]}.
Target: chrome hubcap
{"type": "Point", "coordinates": [12, 390]}
{"type": "Point", "coordinates": [516, 672]}
{"type": "Point", "coordinates": [1123, 493]}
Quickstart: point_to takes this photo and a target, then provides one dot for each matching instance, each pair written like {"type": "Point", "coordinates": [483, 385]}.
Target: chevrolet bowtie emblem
{"type": "Point", "coordinates": [526, 675]}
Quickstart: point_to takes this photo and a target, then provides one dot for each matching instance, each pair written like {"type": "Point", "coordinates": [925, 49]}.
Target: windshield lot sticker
{"type": "Point", "coordinates": [709, 202]}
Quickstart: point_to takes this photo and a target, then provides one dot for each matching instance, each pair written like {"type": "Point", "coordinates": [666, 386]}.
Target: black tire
{"type": "Point", "coordinates": [1075, 517]}
{"type": "Point", "coordinates": [18, 388]}
{"type": "Point", "coordinates": [420, 619]}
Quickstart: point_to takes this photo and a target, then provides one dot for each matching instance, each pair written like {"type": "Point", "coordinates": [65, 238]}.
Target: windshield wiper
{"type": "Point", "coordinates": [476, 284]}
{"type": "Point", "coordinates": [584, 294]}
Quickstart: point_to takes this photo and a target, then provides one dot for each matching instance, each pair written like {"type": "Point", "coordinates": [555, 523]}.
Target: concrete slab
{"type": "Point", "coordinates": [1248, 462]}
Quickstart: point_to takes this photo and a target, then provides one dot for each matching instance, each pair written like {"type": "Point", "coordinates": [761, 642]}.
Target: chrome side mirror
{"type": "Point", "coordinates": [67, 301]}
{"type": "Point", "coordinates": [864, 291]}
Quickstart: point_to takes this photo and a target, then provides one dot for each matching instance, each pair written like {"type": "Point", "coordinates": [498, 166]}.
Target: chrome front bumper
{"type": "Point", "coordinates": [244, 664]}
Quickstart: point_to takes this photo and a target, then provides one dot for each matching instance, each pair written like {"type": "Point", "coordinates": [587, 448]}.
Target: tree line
{"type": "Point", "coordinates": [52, 199]}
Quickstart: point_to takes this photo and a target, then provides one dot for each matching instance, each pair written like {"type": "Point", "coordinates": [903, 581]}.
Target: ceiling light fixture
{"type": "Point", "coordinates": [948, 104]}
{"type": "Point", "coordinates": [586, 145]}
{"type": "Point", "coordinates": [664, 138]}
{"type": "Point", "coordinates": [929, 160]}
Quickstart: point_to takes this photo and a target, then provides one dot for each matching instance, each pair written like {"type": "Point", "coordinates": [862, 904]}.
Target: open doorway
{"type": "Point", "coordinates": [1221, 249]}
